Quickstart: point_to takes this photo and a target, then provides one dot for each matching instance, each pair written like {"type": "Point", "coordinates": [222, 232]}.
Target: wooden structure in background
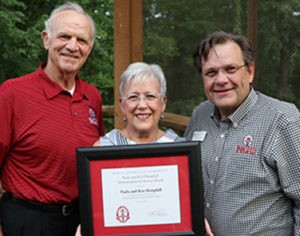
{"type": "Point", "coordinates": [252, 26]}
{"type": "Point", "coordinates": [128, 48]}
{"type": "Point", "coordinates": [128, 44]}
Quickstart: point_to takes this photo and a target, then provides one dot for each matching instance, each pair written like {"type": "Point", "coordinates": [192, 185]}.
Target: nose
{"type": "Point", "coordinates": [221, 77]}
{"type": "Point", "coordinates": [72, 44]}
{"type": "Point", "coordinates": [142, 101]}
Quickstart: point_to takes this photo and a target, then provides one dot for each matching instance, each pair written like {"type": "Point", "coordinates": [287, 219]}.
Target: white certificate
{"type": "Point", "coordinates": [140, 196]}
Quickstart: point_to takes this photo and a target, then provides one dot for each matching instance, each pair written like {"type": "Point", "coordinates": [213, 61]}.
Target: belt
{"type": "Point", "coordinates": [64, 209]}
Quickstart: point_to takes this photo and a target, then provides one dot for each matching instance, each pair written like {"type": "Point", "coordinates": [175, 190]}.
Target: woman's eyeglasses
{"type": "Point", "coordinates": [136, 98]}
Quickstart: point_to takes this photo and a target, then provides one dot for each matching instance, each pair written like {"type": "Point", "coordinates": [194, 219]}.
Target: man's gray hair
{"type": "Point", "coordinates": [73, 7]}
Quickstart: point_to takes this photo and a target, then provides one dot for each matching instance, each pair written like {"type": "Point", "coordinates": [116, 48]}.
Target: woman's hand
{"type": "Point", "coordinates": [78, 231]}
{"type": "Point", "coordinates": [208, 231]}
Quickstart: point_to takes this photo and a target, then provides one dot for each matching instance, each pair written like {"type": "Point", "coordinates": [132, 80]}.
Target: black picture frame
{"type": "Point", "coordinates": [87, 156]}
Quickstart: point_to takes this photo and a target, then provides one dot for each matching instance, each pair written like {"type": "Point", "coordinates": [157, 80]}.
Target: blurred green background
{"type": "Point", "coordinates": [172, 29]}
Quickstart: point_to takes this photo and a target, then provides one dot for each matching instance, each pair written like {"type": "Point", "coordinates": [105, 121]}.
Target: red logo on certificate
{"type": "Point", "coordinates": [122, 214]}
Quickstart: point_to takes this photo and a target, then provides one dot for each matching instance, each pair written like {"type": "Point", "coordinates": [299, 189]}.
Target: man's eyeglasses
{"type": "Point", "coordinates": [228, 70]}
{"type": "Point", "coordinates": [148, 98]}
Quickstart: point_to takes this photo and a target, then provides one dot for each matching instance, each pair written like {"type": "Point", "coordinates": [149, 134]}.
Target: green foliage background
{"type": "Point", "coordinates": [22, 50]}
{"type": "Point", "coordinates": [172, 29]}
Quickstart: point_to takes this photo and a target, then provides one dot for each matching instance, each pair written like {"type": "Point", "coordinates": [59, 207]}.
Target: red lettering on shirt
{"type": "Point", "coordinates": [246, 149]}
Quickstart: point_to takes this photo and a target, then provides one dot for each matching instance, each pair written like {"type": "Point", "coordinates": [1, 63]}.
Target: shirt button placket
{"type": "Point", "coordinates": [219, 146]}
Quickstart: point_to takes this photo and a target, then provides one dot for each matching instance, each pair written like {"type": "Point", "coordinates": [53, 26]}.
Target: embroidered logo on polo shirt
{"type": "Point", "coordinates": [92, 118]}
{"type": "Point", "coordinates": [247, 148]}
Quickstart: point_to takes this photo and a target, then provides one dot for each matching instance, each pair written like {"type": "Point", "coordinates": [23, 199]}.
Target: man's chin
{"type": "Point", "coordinates": [71, 65]}
{"type": "Point", "coordinates": [70, 69]}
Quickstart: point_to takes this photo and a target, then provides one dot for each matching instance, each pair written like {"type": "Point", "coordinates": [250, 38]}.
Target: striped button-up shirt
{"type": "Point", "coordinates": [251, 166]}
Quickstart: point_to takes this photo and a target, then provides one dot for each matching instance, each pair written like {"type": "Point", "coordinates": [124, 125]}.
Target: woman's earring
{"type": "Point", "coordinates": [162, 117]}
{"type": "Point", "coordinates": [124, 119]}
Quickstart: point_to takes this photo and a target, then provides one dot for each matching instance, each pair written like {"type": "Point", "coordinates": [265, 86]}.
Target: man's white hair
{"type": "Point", "coordinates": [73, 7]}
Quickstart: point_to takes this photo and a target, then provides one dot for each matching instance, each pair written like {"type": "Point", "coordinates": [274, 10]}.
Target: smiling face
{"type": "Point", "coordinates": [142, 106]}
{"type": "Point", "coordinates": [227, 80]}
{"type": "Point", "coordinates": [69, 44]}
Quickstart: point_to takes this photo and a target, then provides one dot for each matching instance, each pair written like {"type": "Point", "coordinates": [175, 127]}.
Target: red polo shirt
{"type": "Point", "coordinates": [40, 127]}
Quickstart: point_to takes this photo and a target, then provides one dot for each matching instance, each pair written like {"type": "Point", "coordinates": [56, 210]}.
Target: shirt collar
{"type": "Point", "coordinates": [52, 89]}
{"type": "Point", "coordinates": [240, 112]}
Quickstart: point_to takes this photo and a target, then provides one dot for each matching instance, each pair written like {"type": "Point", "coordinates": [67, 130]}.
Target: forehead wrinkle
{"type": "Point", "coordinates": [63, 23]}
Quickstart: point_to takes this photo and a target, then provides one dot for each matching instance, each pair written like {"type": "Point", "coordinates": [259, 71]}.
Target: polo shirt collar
{"type": "Point", "coordinates": [52, 89]}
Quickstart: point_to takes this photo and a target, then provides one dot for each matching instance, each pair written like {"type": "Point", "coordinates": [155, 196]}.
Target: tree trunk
{"type": "Point", "coordinates": [283, 79]}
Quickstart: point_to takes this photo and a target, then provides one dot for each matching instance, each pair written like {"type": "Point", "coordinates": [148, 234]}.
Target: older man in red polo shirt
{"type": "Point", "coordinates": [44, 116]}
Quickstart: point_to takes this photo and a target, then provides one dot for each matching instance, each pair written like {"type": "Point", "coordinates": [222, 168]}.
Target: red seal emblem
{"type": "Point", "coordinates": [122, 214]}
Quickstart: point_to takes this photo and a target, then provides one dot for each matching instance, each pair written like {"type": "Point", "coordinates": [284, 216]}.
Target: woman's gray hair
{"type": "Point", "coordinates": [72, 7]}
{"type": "Point", "coordinates": [141, 71]}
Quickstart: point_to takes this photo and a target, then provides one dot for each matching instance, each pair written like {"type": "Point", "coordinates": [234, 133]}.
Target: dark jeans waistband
{"type": "Point", "coordinates": [63, 209]}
